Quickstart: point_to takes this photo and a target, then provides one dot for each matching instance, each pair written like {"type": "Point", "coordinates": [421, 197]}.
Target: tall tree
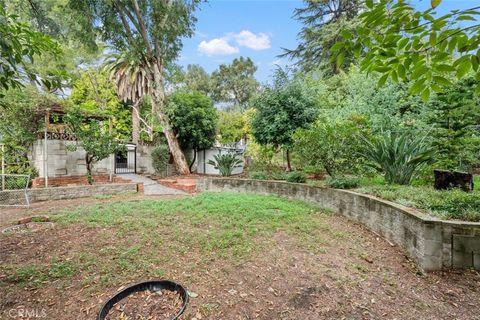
{"type": "Point", "coordinates": [235, 83]}
{"type": "Point", "coordinates": [195, 78]}
{"type": "Point", "coordinates": [322, 21]}
{"type": "Point", "coordinates": [281, 110]}
{"type": "Point", "coordinates": [153, 28]}
{"type": "Point", "coordinates": [419, 47]}
{"type": "Point", "coordinates": [194, 120]}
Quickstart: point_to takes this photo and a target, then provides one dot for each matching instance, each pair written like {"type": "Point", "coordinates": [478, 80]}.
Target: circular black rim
{"type": "Point", "coordinates": [153, 285]}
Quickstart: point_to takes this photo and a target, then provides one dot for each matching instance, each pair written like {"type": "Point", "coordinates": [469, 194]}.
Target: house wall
{"type": "Point", "coordinates": [144, 159]}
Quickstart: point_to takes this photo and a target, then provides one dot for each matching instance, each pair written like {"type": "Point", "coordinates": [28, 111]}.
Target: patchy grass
{"type": "Point", "coordinates": [245, 255]}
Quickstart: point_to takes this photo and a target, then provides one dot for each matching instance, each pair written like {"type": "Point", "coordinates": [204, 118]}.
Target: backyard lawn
{"type": "Point", "coordinates": [242, 256]}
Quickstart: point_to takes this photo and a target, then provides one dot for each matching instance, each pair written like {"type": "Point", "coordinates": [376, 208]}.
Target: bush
{"type": "Point", "coordinates": [279, 175]}
{"type": "Point", "coordinates": [398, 156]}
{"type": "Point", "coordinates": [225, 163]}
{"type": "Point", "coordinates": [160, 157]}
{"type": "Point", "coordinates": [343, 182]}
{"type": "Point", "coordinates": [296, 176]}
{"type": "Point", "coordinates": [445, 204]}
{"type": "Point", "coordinates": [258, 175]}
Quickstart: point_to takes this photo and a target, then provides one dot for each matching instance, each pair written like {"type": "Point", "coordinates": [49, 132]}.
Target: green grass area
{"type": "Point", "coordinates": [132, 237]}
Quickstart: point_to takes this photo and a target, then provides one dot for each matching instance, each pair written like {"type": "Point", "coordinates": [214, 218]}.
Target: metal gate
{"type": "Point", "coordinates": [126, 161]}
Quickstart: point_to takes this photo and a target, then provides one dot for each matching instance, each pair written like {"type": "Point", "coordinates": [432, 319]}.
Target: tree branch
{"type": "Point", "coordinates": [143, 29]}
{"type": "Point", "coordinates": [117, 4]}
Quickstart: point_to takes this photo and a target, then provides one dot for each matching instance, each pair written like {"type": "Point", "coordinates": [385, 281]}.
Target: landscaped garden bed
{"type": "Point", "coordinates": [240, 256]}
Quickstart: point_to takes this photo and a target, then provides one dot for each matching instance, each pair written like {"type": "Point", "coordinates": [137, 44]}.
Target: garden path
{"type": "Point", "coordinates": [152, 187]}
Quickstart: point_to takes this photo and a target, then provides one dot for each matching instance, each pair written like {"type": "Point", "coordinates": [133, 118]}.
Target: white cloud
{"type": "Point", "coordinates": [278, 62]}
{"type": "Point", "coordinates": [246, 38]}
{"type": "Point", "coordinates": [217, 46]}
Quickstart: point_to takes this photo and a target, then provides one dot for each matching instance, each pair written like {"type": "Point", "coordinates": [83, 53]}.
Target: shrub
{"type": "Point", "coordinates": [258, 175]}
{"type": "Point", "coordinates": [398, 156]}
{"type": "Point", "coordinates": [296, 176]}
{"type": "Point", "coordinates": [279, 175]}
{"type": "Point", "coordinates": [342, 182]}
{"type": "Point", "coordinates": [160, 157]}
{"type": "Point", "coordinates": [225, 163]}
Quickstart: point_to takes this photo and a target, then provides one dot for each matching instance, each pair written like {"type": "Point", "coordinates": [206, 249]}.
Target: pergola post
{"type": "Point", "coordinates": [45, 147]}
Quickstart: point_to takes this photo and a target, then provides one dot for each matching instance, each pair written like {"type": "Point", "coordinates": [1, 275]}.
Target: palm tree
{"type": "Point", "coordinates": [133, 79]}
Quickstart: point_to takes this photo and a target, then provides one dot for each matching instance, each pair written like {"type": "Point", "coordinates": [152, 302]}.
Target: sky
{"type": "Point", "coordinates": [228, 29]}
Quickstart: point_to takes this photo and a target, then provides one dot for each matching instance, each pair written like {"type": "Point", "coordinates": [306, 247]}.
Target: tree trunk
{"type": "Point", "coordinates": [88, 161]}
{"type": "Point", "coordinates": [135, 123]}
{"type": "Point", "coordinates": [193, 161]}
{"type": "Point", "coordinates": [158, 105]}
{"type": "Point", "coordinates": [289, 167]}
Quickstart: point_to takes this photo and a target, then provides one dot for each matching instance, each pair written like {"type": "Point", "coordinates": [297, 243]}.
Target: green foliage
{"type": "Point", "coordinates": [321, 21]}
{"type": "Point", "coordinates": [448, 204]}
{"type": "Point", "coordinates": [93, 93]}
{"type": "Point", "coordinates": [160, 156]}
{"type": "Point", "coordinates": [225, 163]}
{"type": "Point", "coordinates": [296, 176]}
{"type": "Point", "coordinates": [398, 155]}
{"type": "Point", "coordinates": [232, 126]}
{"type": "Point", "coordinates": [281, 109]}
{"type": "Point", "coordinates": [404, 44]}
{"type": "Point", "coordinates": [454, 115]}
{"type": "Point", "coordinates": [342, 182]}
{"type": "Point", "coordinates": [235, 83]}
{"type": "Point", "coordinates": [195, 78]}
{"type": "Point", "coordinates": [20, 46]}
{"type": "Point", "coordinates": [258, 175]}
{"type": "Point", "coordinates": [193, 118]}
{"type": "Point", "coordinates": [91, 137]}
{"type": "Point", "coordinates": [20, 125]}
{"type": "Point", "coordinates": [330, 145]}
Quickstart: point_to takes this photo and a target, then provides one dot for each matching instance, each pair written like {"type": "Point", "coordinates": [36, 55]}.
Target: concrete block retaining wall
{"type": "Point", "coordinates": [434, 244]}
{"type": "Point", "coordinates": [58, 193]}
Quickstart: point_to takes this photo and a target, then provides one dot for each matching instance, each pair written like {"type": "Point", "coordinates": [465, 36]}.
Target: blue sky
{"type": "Point", "coordinates": [227, 29]}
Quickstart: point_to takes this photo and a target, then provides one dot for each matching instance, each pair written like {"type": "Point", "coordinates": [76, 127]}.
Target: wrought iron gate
{"type": "Point", "coordinates": [126, 161]}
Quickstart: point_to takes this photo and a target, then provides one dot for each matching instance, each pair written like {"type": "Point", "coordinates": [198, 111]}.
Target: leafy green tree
{"type": "Point", "coordinates": [20, 47]}
{"type": "Point", "coordinates": [322, 21]}
{"type": "Point", "coordinates": [155, 30]}
{"type": "Point", "coordinates": [281, 109]}
{"type": "Point", "coordinates": [232, 126]}
{"type": "Point", "coordinates": [194, 120]}
{"type": "Point", "coordinates": [330, 145]}
{"type": "Point", "coordinates": [235, 83]}
{"type": "Point", "coordinates": [455, 116]}
{"type": "Point", "coordinates": [92, 137]}
{"type": "Point", "coordinates": [93, 93]}
{"type": "Point", "coordinates": [404, 44]}
{"type": "Point", "coordinates": [195, 78]}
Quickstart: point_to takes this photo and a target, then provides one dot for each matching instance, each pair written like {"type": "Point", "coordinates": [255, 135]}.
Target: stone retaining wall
{"type": "Point", "coordinates": [434, 244]}
{"type": "Point", "coordinates": [58, 193]}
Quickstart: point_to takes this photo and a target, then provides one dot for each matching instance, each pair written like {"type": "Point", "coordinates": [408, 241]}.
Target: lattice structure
{"type": "Point", "coordinates": [14, 190]}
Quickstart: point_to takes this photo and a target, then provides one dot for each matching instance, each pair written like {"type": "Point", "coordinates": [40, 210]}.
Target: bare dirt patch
{"type": "Point", "coordinates": [337, 270]}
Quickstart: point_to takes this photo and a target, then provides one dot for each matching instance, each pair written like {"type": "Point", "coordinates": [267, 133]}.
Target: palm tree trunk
{"type": "Point", "coordinates": [158, 105]}
{"type": "Point", "coordinates": [135, 123]}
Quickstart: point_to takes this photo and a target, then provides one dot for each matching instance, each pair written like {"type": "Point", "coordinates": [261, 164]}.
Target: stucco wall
{"type": "Point", "coordinates": [144, 159]}
{"type": "Point", "coordinates": [434, 244]}
{"type": "Point", "coordinates": [204, 156]}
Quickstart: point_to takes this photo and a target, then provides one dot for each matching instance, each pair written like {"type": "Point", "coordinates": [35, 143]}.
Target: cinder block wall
{"type": "Point", "coordinates": [63, 163]}
{"type": "Point", "coordinates": [434, 244]}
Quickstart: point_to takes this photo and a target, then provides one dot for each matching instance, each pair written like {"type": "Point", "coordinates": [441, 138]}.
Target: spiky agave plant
{"type": "Point", "coordinates": [398, 155]}
{"type": "Point", "coordinates": [225, 163]}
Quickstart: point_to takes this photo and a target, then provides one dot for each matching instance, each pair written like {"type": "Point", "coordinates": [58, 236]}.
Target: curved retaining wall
{"type": "Point", "coordinates": [434, 244]}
